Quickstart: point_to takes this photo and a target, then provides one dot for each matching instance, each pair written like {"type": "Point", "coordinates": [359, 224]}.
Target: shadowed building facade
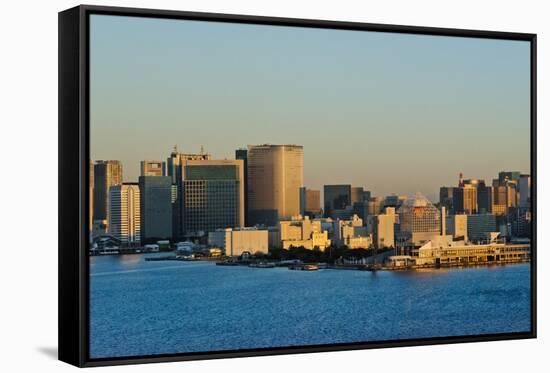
{"type": "Point", "coordinates": [155, 208]}
{"type": "Point", "coordinates": [213, 195]}
{"type": "Point", "coordinates": [275, 176]}
{"type": "Point", "coordinates": [106, 175]}
{"type": "Point", "coordinates": [336, 197]}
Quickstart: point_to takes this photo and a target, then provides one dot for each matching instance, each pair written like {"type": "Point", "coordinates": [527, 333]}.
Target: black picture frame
{"type": "Point", "coordinates": [74, 181]}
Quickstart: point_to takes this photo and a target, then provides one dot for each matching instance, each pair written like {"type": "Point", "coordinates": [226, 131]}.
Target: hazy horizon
{"type": "Point", "coordinates": [393, 113]}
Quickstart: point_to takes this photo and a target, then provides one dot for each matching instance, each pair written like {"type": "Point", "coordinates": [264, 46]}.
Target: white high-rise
{"type": "Point", "coordinates": [124, 213]}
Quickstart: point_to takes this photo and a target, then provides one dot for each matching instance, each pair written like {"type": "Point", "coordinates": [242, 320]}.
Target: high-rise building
{"type": "Point", "coordinates": [213, 196]}
{"type": "Point", "coordinates": [124, 213]}
{"type": "Point", "coordinates": [242, 154]}
{"type": "Point", "coordinates": [91, 196]}
{"type": "Point", "coordinates": [446, 197]}
{"type": "Point", "coordinates": [505, 176]}
{"type": "Point", "coordinates": [155, 208]}
{"type": "Point", "coordinates": [106, 175]}
{"type": "Point", "coordinates": [384, 229]}
{"type": "Point", "coordinates": [356, 195]}
{"type": "Point", "coordinates": [174, 169]}
{"type": "Point", "coordinates": [153, 168]}
{"type": "Point", "coordinates": [419, 220]}
{"type": "Point", "coordinates": [484, 198]}
{"type": "Point", "coordinates": [465, 199]}
{"type": "Point", "coordinates": [310, 202]}
{"type": "Point", "coordinates": [525, 191]}
{"type": "Point", "coordinates": [275, 176]}
{"type": "Point", "coordinates": [336, 197]}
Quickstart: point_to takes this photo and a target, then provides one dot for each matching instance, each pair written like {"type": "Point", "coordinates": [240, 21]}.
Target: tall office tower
{"type": "Point", "coordinates": [275, 176]}
{"type": "Point", "coordinates": [419, 220]}
{"type": "Point", "coordinates": [484, 198]}
{"type": "Point", "coordinates": [153, 168]}
{"type": "Point", "coordinates": [91, 196]}
{"type": "Point", "coordinates": [174, 169]}
{"type": "Point", "coordinates": [124, 213]}
{"type": "Point", "coordinates": [465, 199]}
{"type": "Point", "coordinates": [525, 191]}
{"type": "Point", "coordinates": [213, 196]}
{"type": "Point", "coordinates": [106, 175]}
{"type": "Point", "coordinates": [242, 154]}
{"type": "Point", "coordinates": [155, 208]}
{"type": "Point", "coordinates": [336, 197]}
{"type": "Point", "coordinates": [446, 198]}
{"type": "Point", "coordinates": [384, 229]}
{"type": "Point", "coordinates": [505, 198]}
{"type": "Point", "coordinates": [356, 195]}
{"type": "Point", "coordinates": [310, 202]}
{"type": "Point", "coordinates": [366, 195]}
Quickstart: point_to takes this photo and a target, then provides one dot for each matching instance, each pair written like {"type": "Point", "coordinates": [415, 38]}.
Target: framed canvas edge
{"type": "Point", "coordinates": [73, 193]}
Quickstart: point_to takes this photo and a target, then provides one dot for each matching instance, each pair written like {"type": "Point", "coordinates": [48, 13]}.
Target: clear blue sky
{"type": "Point", "coordinates": [394, 113]}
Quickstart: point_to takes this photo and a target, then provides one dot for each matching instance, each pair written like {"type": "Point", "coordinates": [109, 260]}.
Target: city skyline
{"type": "Point", "coordinates": [433, 196]}
{"type": "Point", "coordinates": [374, 121]}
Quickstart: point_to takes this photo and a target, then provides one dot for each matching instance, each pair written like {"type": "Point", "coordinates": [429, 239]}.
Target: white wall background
{"type": "Point", "coordinates": [28, 186]}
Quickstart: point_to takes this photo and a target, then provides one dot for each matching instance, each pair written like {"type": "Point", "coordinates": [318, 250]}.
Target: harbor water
{"type": "Point", "coordinates": [140, 307]}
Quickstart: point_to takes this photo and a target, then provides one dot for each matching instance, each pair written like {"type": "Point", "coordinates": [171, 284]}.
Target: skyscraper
{"type": "Point", "coordinates": [356, 195]}
{"type": "Point", "coordinates": [336, 197]}
{"type": "Point", "coordinates": [275, 176]}
{"type": "Point", "coordinates": [446, 198]}
{"type": "Point", "coordinates": [525, 191]}
{"type": "Point", "coordinates": [242, 154]}
{"type": "Point", "coordinates": [155, 208]}
{"type": "Point", "coordinates": [106, 175]}
{"type": "Point", "coordinates": [174, 169]}
{"type": "Point", "coordinates": [465, 199]}
{"type": "Point", "coordinates": [124, 213]}
{"type": "Point", "coordinates": [91, 196]}
{"type": "Point", "coordinates": [153, 168]}
{"type": "Point", "coordinates": [213, 195]}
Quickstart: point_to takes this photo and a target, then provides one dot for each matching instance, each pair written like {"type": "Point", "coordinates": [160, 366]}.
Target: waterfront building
{"type": "Point", "coordinates": [155, 208]}
{"type": "Point", "coordinates": [124, 213]}
{"type": "Point", "coordinates": [384, 229]}
{"type": "Point", "coordinates": [310, 202]}
{"type": "Point", "coordinates": [153, 168]}
{"type": "Point", "coordinates": [525, 191]}
{"type": "Point", "coordinates": [242, 154]}
{"type": "Point", "coordinates": [480, 226]}
{"type": "Point", "coordinates": [106, 175]}
{"type": "Point", "coordinates": [236, 241]}
{"type": "Point", "coordinates": [351, 233]}
{"type": "Point", "coordinates": [336, 197]}
{"type": "Point", "coordinates": [446, 198]}
{"type": "Point", "coordinates": [213, 195]}
{"type": "Point", "coordinates": [457, 226]}
{"type": "Point", "coordinates": [275, 176]}
{"type": "Point", "coordinates": [419, 220]}
{"type": "Point", "coordinates": [302, 231]}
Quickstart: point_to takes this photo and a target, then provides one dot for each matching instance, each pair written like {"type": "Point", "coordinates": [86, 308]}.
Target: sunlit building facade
{"type": "Point", "coordinates": [124, 213]}
{"type": "Point", "coordinates": [275, 176]}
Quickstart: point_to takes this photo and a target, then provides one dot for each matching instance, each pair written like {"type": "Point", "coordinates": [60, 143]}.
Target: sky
{"type": "Point", "coordinates": [394, 113]}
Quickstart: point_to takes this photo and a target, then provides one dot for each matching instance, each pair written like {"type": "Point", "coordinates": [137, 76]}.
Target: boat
{"type": "Point", "coordinates": [262, 265]}
{"type": "Point", "coordinates": [304, 267]}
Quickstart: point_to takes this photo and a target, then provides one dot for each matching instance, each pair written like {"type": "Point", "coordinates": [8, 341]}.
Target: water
{"type": "Point", "coordinates": [145, 308]}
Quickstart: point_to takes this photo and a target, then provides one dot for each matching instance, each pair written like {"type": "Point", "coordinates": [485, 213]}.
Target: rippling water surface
{"type": "Point", "coordinates": [144, 308]}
